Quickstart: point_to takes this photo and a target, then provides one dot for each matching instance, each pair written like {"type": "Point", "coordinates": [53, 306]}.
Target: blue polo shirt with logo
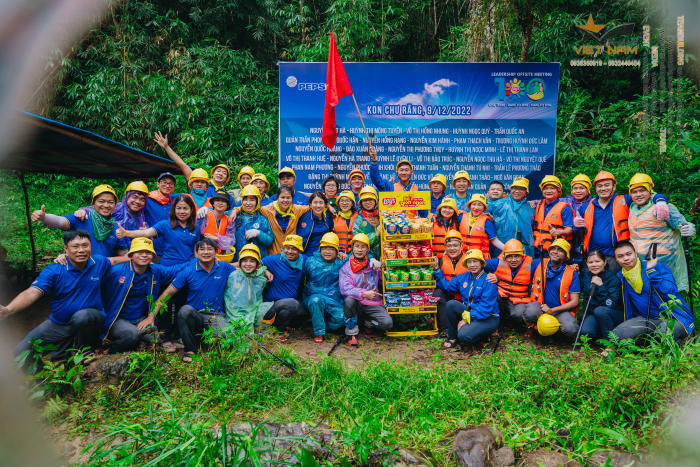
{"type": "Point", "coordinates": [179, 242]}
{"type": "Point", "coordinates": [72, 290]}
{"type": "Point", "coordinates": [553, 285]}
{"type": "Point", "coordinates": [205, 290]}
{"type": "Point", "coordinates": [107, 247]}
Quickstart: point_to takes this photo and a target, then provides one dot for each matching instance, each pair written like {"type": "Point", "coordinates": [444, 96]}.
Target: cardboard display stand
{"type": "Point", "coordinates": [406, 252]}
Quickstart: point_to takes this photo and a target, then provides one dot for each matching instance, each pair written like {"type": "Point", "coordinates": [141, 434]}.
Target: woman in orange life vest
{"type": "Point", "coordinates": [554, 218]}
{"type": "Point", "coordinates": [451, 265]}
{"type": "Point", "coordinates": [445, 219]}
{"type": "Point", "coordinates": [216, 225]}
{"type": "Point", "coordinates": [343, 221]}
{"type": "Point", "coordinates": [480, 229]}
{"type": "Point", "coordinates": [514, 272]}
{"type": "Point", "coordinates": [559, 293]}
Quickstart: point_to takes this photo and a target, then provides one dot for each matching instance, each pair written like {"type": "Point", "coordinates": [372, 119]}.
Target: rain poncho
{"type": "Point", "coordinates": [257, 221]}
{"type": "Point", "coordinates": [322, 293]}
{"type": "Point", "coordinates": [513, 219]}
{"type": "Point", "coordinates": [646, 229]}
{"type": "Point", "coordinates": [243, 296]}
{"type": "Point", "coordinates": [361, 225]}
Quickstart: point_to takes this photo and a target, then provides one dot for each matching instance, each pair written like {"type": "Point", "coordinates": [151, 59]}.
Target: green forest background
{"type": "Point", "coordinates": [204, 71]}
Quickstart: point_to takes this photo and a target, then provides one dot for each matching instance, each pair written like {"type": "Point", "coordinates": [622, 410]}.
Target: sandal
{"type": "Point", "coordinates": [187, 357]}
{"type": "Point", "coordinates": [282, 338]}
{"type": "Point", "coordinates": [318, 339]}
{"type": "Point", "coordinates": [352, 342]}
{"type": "Point", "coordinates": [169, 347]}
{"type": "Point", "coordinates": [449, 343]}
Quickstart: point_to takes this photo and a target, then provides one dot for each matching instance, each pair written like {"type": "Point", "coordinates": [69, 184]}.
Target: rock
{"type": "Point", "coordinates": [475, 447]}
{"type": "Point", "coordinates": [503, 457]}
{"type": "Point", "coordinates": [110, 368]}
{"type": "Point", "coordinates": [546, 458]}
{"type": "Point", "coordinates": [617, 459]}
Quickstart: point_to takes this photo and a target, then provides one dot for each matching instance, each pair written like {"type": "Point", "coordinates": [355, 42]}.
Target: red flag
{"type": "Point", "coordinates": [337, 86]}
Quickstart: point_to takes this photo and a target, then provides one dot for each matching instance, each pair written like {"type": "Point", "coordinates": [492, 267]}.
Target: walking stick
{"type": "Point", "coordinates": [686, 250]}
{"type": "Point", "coordinates": [341, 338]}
{"type": "Point", "coordinates": [282, 361]}
{"type": "Point", "coordinates": [585, 310]}
{"type": "Point", "coordinates": [650, 255]}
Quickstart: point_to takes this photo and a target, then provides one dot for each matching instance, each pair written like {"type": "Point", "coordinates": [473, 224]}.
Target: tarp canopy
{"type": "Point", "coordinates": [54, 147]}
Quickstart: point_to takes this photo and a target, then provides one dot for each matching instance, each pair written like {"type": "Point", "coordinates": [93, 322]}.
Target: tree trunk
{"type": "Point", "coordinates": [481, 31]}
{"type": "Point", "coordinates": [525, 20]}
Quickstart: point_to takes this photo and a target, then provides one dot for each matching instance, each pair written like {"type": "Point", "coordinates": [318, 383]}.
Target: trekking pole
{"type": "Point", "coordinates": [585, 310]}
{"type": "Point", "coordinates": [686, 250]}
{"type": "Point", "coordinates": [281, 360]}
{"type": "Point", "coordinates": [650, 255]}
{"type": "Point", "coordinates": [341, 338]}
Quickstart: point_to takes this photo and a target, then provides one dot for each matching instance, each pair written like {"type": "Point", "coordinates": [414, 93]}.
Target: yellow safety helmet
{"type": "Point", "coordinates": [547, 324]}
{"type": "Point", "coordinates": [453, 234]}
{"type": "Point", "coordinates": [513, 247]}
{"type": "Point", "coordinates": [137, 186]}
{"type": "Point", "coordinates": [448, 202]}
{"type": "Point", "coordinates": [563, 244]}
{"type": "Point", "coordinates": [245, 170]}
{"type": "Point", "coordinates": [640, 179]}
{"type": "Point", "coordinates": [461, 174]}
{"type": "Point", "coordinates": [521, 182]}
{"type": "Point", "coordinates": [250, 190]}
{"type": "Point", "coordinates": [368, 192]}
{"type": "Point", "coordinates": [198, 174]}
{"type": "Point", "coordinates": [473, 254]}
{"type": "Point", "coordinates": [402, 162]}
{"type": "Point", "coordinates": [226, 257]}
{"type": "Point", "coordinates": [603, 175]}
{"type": "Point", "coordinates": [357, 172]}
{"type": "Point", "coordinates": [294, 241]}
{"type": "Point", "coordinates": [550, 180]}
{"type": "Point", "coordinates": [260, 176]}
{"type": "Point", "coordinates": [480, 198]}
{"type": "Point", "coordinates": [249, 250]}
{"type": "Point", "coordinates": [583, 180]}
{"type": "Point", "coordinates": [141, 244]}
{"type": "Point", "coordinates": [439, 178]}
{"type": "Point", "coordinates": [346, 194]}
{"type": "Point", "coordinates": [330, 239]}
{"type": "Point", "coordinates": [228, 171]}
{"type": "Point", "coordinates": [362, 238]}
{"type": "Point", "coordinates": [99, 189]}
{"type": "Point", "coordinates": [287, 170]}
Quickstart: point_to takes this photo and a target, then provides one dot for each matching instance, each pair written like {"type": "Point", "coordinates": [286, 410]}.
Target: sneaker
{"type": "Point", "coordinates": [318, 339]}
{"type": "Point", "coordinates": [352, 342]}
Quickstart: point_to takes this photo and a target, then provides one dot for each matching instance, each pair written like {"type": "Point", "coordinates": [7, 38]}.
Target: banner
{"type": "Point", "coordinates": [497, 121]}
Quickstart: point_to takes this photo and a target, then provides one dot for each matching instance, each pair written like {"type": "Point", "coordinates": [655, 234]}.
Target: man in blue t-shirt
{"type": "Point", "coordinates": [77, 313]}
{"type": "Point", "coordinates": [205, 279]}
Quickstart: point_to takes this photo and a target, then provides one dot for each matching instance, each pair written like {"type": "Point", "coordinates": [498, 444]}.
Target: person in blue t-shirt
{"type": "Point", "coordinates": [205, 280]}
{"type": "Point", "coordinates": [77, 312]}
{"type": "Point", "coordinates": [99, 223]}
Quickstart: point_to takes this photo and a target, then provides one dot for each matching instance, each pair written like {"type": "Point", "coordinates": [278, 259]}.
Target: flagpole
{"type": "Point", "coordinates": [361, 121]}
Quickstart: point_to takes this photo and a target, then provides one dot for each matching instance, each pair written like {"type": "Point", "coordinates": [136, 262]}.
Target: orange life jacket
{"type": "Point", "coordinates": [343, 229]}
{"type": "Point", "coordinates": [516, 289]}
{"type": "Point", "coordinates": [543, 224]}
{"type": "Point", "coordinates": [439, 235]}
{"type": "Point", "coordinates": [399, 187]}
{"type": "Point", "coordinates": [477, 238]}
{"type": "Point", "coordinates": [620, 213]}
{"type": "Point", "coordinates": [450, 270]}
{"type": "Point", "coordinates": [538, 286]}
{"type": "Point", "coordinates": [211, 224]}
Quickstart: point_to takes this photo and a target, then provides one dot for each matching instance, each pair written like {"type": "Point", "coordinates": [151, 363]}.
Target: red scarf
{"type": "Point", "coordinates": [159, 197]}
{"type": "Point", "coordinates": [357, 265]}
{"type": "Point", "coordinates": [367, 214]}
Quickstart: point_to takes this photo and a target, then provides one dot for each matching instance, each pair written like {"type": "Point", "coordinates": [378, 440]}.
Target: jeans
{"type": "Point", "coordinates": [637, 327]}
{"type": "Point", "coordinates": [191, 323]}
{"type": "Point", "coordinates": [375, 316]}
{"type": "Point", "coordinates": [325, 314]}
{"type": "Point", "coordinates": [83, 330]}
{"type": "Point", "coordinates": [600, 321]}
{"type": "Point", "coordinates": [477, 330]}
{"type": "Point", "coordinates": [514, 313]}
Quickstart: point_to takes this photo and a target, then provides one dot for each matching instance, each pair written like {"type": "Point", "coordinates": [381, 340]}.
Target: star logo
{"type": "Point", "coordinates": [591, 26]}
{"type": "Point", "coordinates": [591, 29]}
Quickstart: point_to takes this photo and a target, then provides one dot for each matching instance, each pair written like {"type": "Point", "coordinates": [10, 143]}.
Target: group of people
{"type": "Point", "coordinates": [216, 255]}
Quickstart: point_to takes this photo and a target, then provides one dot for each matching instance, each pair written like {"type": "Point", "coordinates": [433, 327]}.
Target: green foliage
{"type": "Point", "coordinates": [52, 378]}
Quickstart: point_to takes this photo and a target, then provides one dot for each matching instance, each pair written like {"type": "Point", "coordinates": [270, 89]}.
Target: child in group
{"type": "Point", "coordinates": [438, 188]}
{"type": "Point", "coordinates": [481, 231]}
{"type": "Point", "coordinates": [243, 296]}
{"type": "Point", "coordinates": [461, 183]}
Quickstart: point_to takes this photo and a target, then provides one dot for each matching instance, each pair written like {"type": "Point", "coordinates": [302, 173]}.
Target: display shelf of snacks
{"type": "Point", "coordinates": [407, 256]}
